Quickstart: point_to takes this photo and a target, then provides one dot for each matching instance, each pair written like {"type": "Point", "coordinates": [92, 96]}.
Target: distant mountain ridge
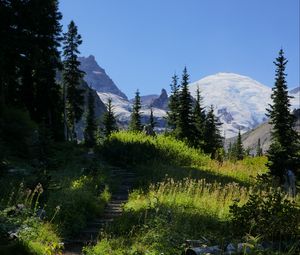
{"type": "Point", "coordinates": [97, 78]}
{"type": "Point", "coordinates": [240, 102]}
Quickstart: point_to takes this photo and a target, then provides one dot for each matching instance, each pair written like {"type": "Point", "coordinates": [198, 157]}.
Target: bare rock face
{"type": "Point", "coordinates": [96, 77]}
{"type": "Point", "coordinates": [162, 101]}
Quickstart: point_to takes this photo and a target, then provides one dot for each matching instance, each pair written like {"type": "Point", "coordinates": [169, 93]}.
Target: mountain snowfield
{"type": "Point", "coordinates": [239, 101]}
{"type": "Point", "coordinates": [123, 108]}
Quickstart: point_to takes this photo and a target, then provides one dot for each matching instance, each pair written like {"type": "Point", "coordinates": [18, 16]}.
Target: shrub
{"type": "Point", "coordinates": [268, 213]}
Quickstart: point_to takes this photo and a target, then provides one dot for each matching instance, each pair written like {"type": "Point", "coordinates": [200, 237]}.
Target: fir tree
{"type": "Point", "coordinates": [135, 122]}
{"type": "Point", "coordinates": [91, 127]}
{"type": "Point", "coordinates": [213, 139]}
{"type": "Point", "coordinates": [282, 153]}
{"type": "Point", "coordinates": [184, 122]}
{"type": "Point", "coordinates": [198, 121]}
{"type": "Point", "coordinates": [72, 94]}
{"type": "Point", "coordinates": [152, 122]}
{"type": "Point", "coordinates": [258, 148]}
{"type": "Point", "coordinates": [172, 114]}
{"type": "Point", "coordinates": [109, 120]}
{"type": "Point", "coordinates": [239, 149]}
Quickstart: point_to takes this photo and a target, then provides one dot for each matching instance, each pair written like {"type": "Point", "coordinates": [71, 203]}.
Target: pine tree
{"type": "Point", "coordinates": [184, 123]}
{"type": "Point", "coordinates": [172, 114]}
{"type": "Point", "coordinates": [91, 127]}
{"type": "Point", "coordinates": [152, 122]}
{"type": "Point", "coordinates": [282, 153]}
{"type": "Point", "coordinates": [72, 94]}
{"type": "Point", "coordinates": [198, 121]}
{"type": "Point", "coordinates": [109, 120]}
{"type": "Point", "coordinates": [135, 122]}
{"type": "Point", "coordinates": [239, 149]}
{"type": "Point", "coordinates": [29, 60]}
{"type": "Point", "coordinates": [213, 139]}
{"type": "Point", "coordinates": [258, 148]}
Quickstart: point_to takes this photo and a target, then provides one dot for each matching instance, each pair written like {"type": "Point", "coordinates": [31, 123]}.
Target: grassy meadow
{"type": "Point", "coordinates": [180, 193]}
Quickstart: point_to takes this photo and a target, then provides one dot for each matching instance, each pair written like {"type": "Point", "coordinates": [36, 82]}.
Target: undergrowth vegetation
{"type": "Point", "coordinates": [183, 194]}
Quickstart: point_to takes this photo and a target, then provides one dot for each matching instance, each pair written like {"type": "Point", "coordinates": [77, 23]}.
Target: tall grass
{"type": "Point", "coordinates": [130, 149]}
{"type": "Point", "coordinates": [199, 195]}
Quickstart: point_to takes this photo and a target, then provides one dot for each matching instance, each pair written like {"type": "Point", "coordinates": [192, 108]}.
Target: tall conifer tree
{"type": "Point", "coordinates": [184, 123]}
{"type": "Point", "coordinates": [72, 94]}
{"type": "Point", "coordinates": [198, 121]}
{"type": "Point", "coordinates": [109, 119]}
{"type": "Point", "coordinates": [282, 153]}
{"type": "Point", "coordinates": [238, 148]}
{"type": "Point", "coordinates": [172, 114]}
{"type": "Point", "coordinates": [152, 122]}
{"type": "Point", "coordinates": [135, 122]}
{"type": "Point", "coordinates": [213, 139]}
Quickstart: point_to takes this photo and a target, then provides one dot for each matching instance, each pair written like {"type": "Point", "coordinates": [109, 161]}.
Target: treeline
{"type": "Point", "coordinates": [42, 88]}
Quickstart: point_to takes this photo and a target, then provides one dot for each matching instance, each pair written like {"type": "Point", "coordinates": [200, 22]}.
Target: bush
{"type": "Point", "coordinates": [269, 213]}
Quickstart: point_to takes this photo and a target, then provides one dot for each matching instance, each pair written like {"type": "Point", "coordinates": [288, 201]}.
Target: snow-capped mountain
{"type": "Point", "coordinates": [295, 100]}
{"type": "Point", "coordinates": [239, 101]}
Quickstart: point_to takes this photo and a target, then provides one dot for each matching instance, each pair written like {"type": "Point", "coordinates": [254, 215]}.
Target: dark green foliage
{"type": "Point", "coordinates": [135, 121]}
{"type": "Point", "coordinates": [184, 122]}
{"type": "Point", "coordinates": [213, 139]}
{"type": "Point", "coordinates": [29, 60]}
{"type": "Point", "coordinates": [109, 120]}
{"type": "Point", "coordinates": [237, 150]}
{"type": "Point", "coordinates": [198, 121]}
{"type": "Point", "coordinates": [269, 214]}
{"type": "Point", "coordinates": [173, 103]}
{"type": "Point", "coordinates": [17, 133]}
{"type": "Point", "coordinates": [73, 95]}
{"type": "Point", "coordinates": [285, 141]}
{"type": "Point", "coordinates": [152, 122]}
{"type": "Point", "coordinates": [259, 148]}
{"type": "Point", "coordinates": [91, 127]}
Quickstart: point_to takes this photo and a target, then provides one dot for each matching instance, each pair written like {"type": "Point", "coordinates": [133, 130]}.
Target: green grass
{"type": "Point", "coordinates": [182, 194]}
{"type": "Point", "coordinates": [166, 155]}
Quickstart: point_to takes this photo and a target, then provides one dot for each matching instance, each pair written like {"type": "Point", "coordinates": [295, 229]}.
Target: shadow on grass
{"type": "Point", "coordinates": [156, 172]}
{"type": "Point", "coordinates": [169, 226]}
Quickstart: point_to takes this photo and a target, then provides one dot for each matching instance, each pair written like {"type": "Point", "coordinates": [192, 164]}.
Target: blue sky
{"type": "Point", "coordinates": [141, 43]}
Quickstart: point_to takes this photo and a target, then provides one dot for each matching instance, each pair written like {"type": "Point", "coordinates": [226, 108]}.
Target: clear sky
{"type": "Point", "coordinates": [141, 43]}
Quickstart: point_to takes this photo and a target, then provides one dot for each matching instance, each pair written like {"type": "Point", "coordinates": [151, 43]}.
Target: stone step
{"type": "Point", "coordinates": [111, 215]}
{"type": "Point", "coordinates": [113, 208]}
{"type": "Point", "coordinates": [120, 196]}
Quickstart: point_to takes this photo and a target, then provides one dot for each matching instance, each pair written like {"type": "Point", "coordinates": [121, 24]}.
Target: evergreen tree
{"type": "Point", "coordinates": [29, 60]}
{"type": "Point", "coordinates": [282, 153]}
{"type": "Point", "coordinates": [198, 121]}
{"type": "Point", "coordinates": [72, 94]}
{"type": "Point", "coordinates": [239, 149]}
{"type": "Point", "coordinates": [184, 122]}
{"type": "Point", "coordinates": [91, 127]}
{"type": "Point", "coordinates": [135, 122]}
{"type": "Point", "coordinates": [109, 120]}
{"type": "Point", "coordinates": [172, 114]}
{"type": "Point", "coordinates": [152, 122]}
{"type": "Point", "coordinates": [258, 148]}
{"type": "Point", "coordinates": [213, 139]}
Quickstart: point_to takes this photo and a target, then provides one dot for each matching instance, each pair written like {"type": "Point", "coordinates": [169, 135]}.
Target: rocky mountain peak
{"type": "Point", "coordinates": [162, 101]}
{"type": "Point", "coordinates": [97, 78]}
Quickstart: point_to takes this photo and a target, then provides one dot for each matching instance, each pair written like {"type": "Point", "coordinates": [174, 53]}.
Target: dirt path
{"type": "Point", "coordinates": [90, 234]}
